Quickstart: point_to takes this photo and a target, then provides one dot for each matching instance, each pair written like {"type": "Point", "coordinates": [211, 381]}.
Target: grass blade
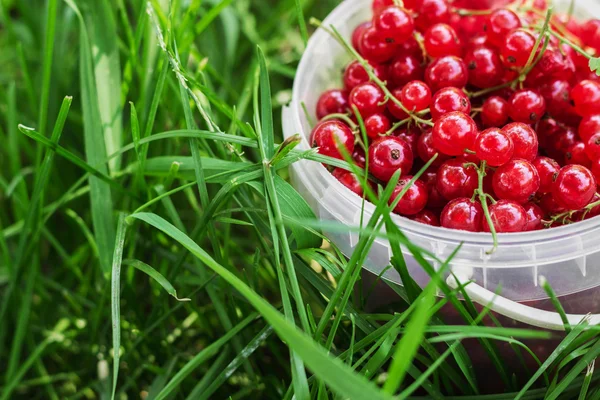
{"type": "Point", "coordinates": [157, 276]}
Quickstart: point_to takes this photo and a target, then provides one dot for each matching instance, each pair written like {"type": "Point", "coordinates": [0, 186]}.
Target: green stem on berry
{"type": "Point", "coordinates": [481, 172]}
{"type": "Point", "coordinates": [464, 12]}
{"type": "Point", "coordinates": [566, 216]}
{"type": "Point", "coordinates": [523, 75]}
{"type": "Point", "coordinates": [397, 125]}
{"type": "Point", "coordinates": [343, 117]}
{"type": "Point", "coordinates": [483, 92]}
{"type": "Point", "coordinates": [538, 41]}
{"type": "Point", "coordinates": [570, 44]}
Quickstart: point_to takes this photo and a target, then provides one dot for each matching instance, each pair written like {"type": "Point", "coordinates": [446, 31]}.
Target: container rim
{"type": "Point", "coordinates": [434, 233]}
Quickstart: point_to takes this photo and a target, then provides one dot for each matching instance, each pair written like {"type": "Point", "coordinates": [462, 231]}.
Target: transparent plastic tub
{"type": "Point", "coordinates": [568, 257]}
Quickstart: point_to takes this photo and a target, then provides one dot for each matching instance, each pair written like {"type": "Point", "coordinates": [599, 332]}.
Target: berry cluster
{"type": "Point", "coordinates": [503, 98]}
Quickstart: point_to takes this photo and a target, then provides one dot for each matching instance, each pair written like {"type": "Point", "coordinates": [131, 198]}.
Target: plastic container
{"type": "Point", "coordinates": [568, 257]}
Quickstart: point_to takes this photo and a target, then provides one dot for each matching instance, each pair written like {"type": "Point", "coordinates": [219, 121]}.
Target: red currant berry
{"type": "Point", "coordinates": [426, 150]}
{"type": "Point", "coordinates": [368, 99]}
{"type": "Point", "coordinates": [427, 217]}
{"type": "Point", "coordinates": [547, 170]}
{"type": "Point", "coordinates": [393, 107]}
{"type": "Point", "coordinates": [449, 100]}
{"type": "Point", "coordinates": [507, 217]}
{"type": "Point", "coordinates": [591, 34]}
{"type": "Point", "coordinates": [535, 218]}
{"type": "Point", "coordinates": [374, 47]}
{"type": "Point", "coordinates": [379, 5]}
{"type": "Point", "coordinates": [356, 74]}
{"type": "Point", "coordinates": [358, 32]}
{"type": "Point", "coordinates": [516, 48]}
{"type": "Point", "coordinates": [589, 126]}
{"type": "Point", "coordinates": [558, 100]}
{"type": "Point", "coordinates": [574, 187]}
{"type": "Point", "coordinates": [330, 136]}
{"type": "Point", "coordinates": [394, 24]}
{"type": "Point", "coordinates": [410, 135]}
{"type": "Point", "coordinates": [436, 200]}
{"type": "Point", "coordinates": [454, 132]}
{"type": "Point", "coordinates": [485, 67]}
{"type": "Point", "coordinates": [447, 71]}
{"type": "Point", "coordinates": [333, 101]}
{"type": "Point", "coordinates": [549, 205]}
{"type": "Point", "coordinates": [433, 12]}
{"type": "Point", "coordinates": [516, 180]}
{"type": "Point", "coordinates": [576, 154]}
{"type": "Point", "coordinates": [442, 40]}
{"type": "Point", "coordinates": [405, 68]}
{"type": "Point", "coordinates": [387, 155]}
{"type": "Point", "coordinates": [494, 111]}
{"type": "Point", "coordinates": [377, 125]}
{"type": "Point", "coordinates": [494, 147]}
{"type": "Point", "coordinates": [527, 106]}
{"type": "Point", "coordinates": [524, 138]}
{"type": "Point", "coordinates": [349, 180]}
{"type": "Point", "coordinates": [499, 24]}
{"type": "Point", "coordinates": [592, 147]}
{"type": "Point", "coordinates": [359, 157]}
{"type": "Point", "coordinates": [455, 180]}
{"type": "Point", "coordinates": [596, 169]}
{"type": "Point", "coordinates": [410, 47]}
{"type": "Point", "coordinates": [416, 96]}
{"type": "Point", "coordinates": [463, 214]}
{"type": "Point", "coordinates": [415, 198]}
{"type": "Point", "coordinates": [586, 96]}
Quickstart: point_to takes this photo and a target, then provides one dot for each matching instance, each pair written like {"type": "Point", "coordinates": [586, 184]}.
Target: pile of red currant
{"type": "Point", "coordinates": [501, 94]}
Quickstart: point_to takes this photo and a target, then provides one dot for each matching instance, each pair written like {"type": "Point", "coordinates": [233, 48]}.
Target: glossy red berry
{"type": "Point", "coordinates": [375, 47]}
{"type": "Point", "coordinates": [330, 136]}
{"type": "Point", "coordinates": [549, 205]}
{"type": "Point", "coordinates": [427, 217]}
{"type": "Point", "coordinates": [333, 101]}
{"type": "Point", "coordinates": [377, 125]}
{"type": "Point", "coordinates": [387, 155]}
{"type": "Point", "coordinates": [394, 24]}
{"type": "Point", "coordinates": [547, 169]}
{"type": "Point", "coordinates": [535, 217]}
{"type": "Point", "coordinates": [448, 100]}
{"type": "Point", "coordinates": [558, 100]}
{"type": "Point", "coordinates": [415, 198]}
{"type": "Point", "coordinates": [592, 147]}
{"type": "Point", "coordinates": [349, 180]}
{"type": "Point", "coordinates": [455, 179]}
{"type": "Point", "coordinates": [436, 200]}
{"type": "Point", "coordinates": [433, 12]}
{"type": "Point", "coordinates": [368, 99]}
{"type": "Point", "coordinates": [516, 48]}
{"type": "Point", "coordinates": [410, 135]}
{"type": "Point", "coordinates": [586, 97]}
{"type": "Point", "coordinates": [355, 74]}
{"type": "Point", "coordinates": [574, 187]}
{"type": "Point", "coordinates": [405, 68]}
{"type": "Point", "coordinates": [416, 96]}
{"type": "Point", "coordinates": [527, 106]}
{"type": "Point", "coordinates": [494, 147]}
{"type": "Point", "coordinates": [516, 180]}
{"type": "Point", "coordinates": [507, 217]}
{"type": "Point", "coordinates": [499, 23]}
{"type": "Point", "coordinates": [379, 5]}
{"type": "Point", "coordinates": [485, 67]}
{"type": "Point", "coordinates": [596, 169]}
{"type": "Point", "coordinates": [358, 32]}
{"type": "Point", "coordinates": [426, 149]}
{"type": "Point", "coordinates": [359, 157]}
{"type": "Point", "coordinates": [442, 40]}
{"type": "Point", "coordinates": [446, 71]}
{"type": "Point", "coordinates": [453, 133]}
{"type": "Point", "coordinates": [576, 154]}
{"type": "Point", "coordinates": [524, 138]}
{"type": "Point", "coordinates": [591, 33]}
{"type": "Point", "coordinates": [494, 112]}
{"type": "Point", "coordinates": [560, 142]}
{"type": "Point", "coordinates": [463, 214]}
{"type": "Point", "coordinates": [394, 108]}
{"type": "Point", "coordinates": [589, 126]}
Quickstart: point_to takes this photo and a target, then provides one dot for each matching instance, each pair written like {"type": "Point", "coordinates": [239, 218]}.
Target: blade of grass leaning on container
{"type": "Point", "coordinates": [555, 302]}
{"type": "Point", "coordinates": [337, 374]}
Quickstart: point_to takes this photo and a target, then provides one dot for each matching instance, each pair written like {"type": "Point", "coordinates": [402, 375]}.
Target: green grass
{"type": "Point", "coordinates": [151, 245]}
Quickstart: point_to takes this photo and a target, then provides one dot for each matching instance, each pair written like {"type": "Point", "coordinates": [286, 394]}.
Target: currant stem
{"type": "Point", "coordinates": [571, 44]}
{"type": "Point", "coordinates": [464, 12]}
{"type": "Point", "coordinates": [343, 117]}
{"type": "Point", "coordinates": [569, 214]}
{"type": "Point", "coordinates": [397, 125]}
{"type": "Point", "coordinates": [481, 172]}
{"type": "Point", "coordinates": [538, 41]}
